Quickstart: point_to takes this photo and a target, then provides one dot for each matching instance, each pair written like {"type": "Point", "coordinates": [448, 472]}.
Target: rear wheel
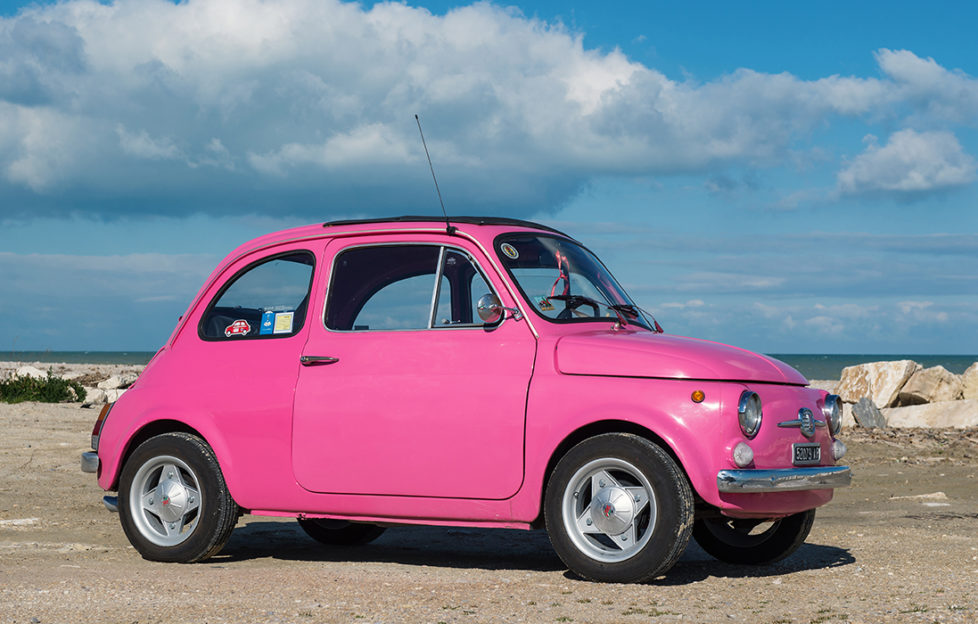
{"type": "Point", "coordinates": [340, 532]}
{"type": "Point", "coordinates": [173, 502]}
{"type": "Point", "coordinates": [753, 542]}
{"type": "Point", "coordinates": [618, 509]}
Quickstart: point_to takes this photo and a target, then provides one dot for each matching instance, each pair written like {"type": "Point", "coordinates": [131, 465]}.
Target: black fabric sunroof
{"type": "Point", "coordinates": [431, 219]}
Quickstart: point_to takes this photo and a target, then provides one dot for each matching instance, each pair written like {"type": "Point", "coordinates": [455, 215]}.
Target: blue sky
{"type": "Point", "coordinates": [786, 177]}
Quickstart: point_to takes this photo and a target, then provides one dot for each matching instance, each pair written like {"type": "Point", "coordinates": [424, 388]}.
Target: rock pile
{"type": "Point", "coordinates": [103, 383]}
{"type": "Point", "coordinates": [904, 394]}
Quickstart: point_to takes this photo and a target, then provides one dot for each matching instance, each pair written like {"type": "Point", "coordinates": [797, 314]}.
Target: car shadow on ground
{"type": "Point", "coordinates": [488, 549]}
{"type": "Point", "coordinates": [696, 565]}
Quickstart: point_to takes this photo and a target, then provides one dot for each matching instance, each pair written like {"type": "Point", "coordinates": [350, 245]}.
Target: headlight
{"type": "Point", "coordinates": [749, 412]}
{"type": "Point", "coordinates": [832, 410]}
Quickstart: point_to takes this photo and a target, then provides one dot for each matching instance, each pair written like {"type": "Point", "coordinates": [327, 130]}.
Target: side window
{"type": "Point", "coordinates": [383, 288]}
{"type": "Point", "coordinates": [403, 287]}
{"type": "Point", "coordinates": [265, 300]}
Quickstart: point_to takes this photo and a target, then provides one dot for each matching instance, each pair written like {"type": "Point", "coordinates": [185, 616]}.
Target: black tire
{"type": "Point", "coordinates": [742, 542]}
{"type": "Point", "coordinates": [340, 532]}
{"type": "Point", "coordinates": [642, 504]}
{"type": "Point", "coordinates": [173, 502]}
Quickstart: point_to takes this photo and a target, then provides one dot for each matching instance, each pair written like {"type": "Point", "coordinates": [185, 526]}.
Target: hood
{"type": "Point", "coordinates": [644, 354]}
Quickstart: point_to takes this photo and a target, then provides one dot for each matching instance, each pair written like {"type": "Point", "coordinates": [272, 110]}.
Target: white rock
{"type": "Point", "coordinates": [94, 396]}
{"type": "Point", "coordinates": [30, 371]}
{"type": "Point", "coordinates": [969, 382]}
{"type": "Point", "coordinates": [957, 414]}
{"type": "Point", "coordinates": [112, 395]}
{"type": "Point", "coordinates": [879, 381]}
{"type": "Point", "coordinates": [848, 418]}
{"type": "Point", "coordinates": [122, 380]}
{"type": "Point", "coordinates": [111, 383]}
{"type": "Point", "coordinates": [823, 384]}
{"type": "Point", "coordinates": [930, 385]}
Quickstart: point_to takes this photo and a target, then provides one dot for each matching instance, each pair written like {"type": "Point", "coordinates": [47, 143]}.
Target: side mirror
{"type": "Point", "coordinates": [491, 310]}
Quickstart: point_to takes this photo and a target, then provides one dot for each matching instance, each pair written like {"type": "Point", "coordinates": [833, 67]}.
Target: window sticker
{"type": "Point", "coordinates": [267, 323]}
{"type": "Point", "coordinates": [238, 328]}
{"type": "Point", "coordinates": [509, 251]}
{"type": "Point", "coordinates": [283, 322]}
{"type": "Point", "coordinates": [544, 304]}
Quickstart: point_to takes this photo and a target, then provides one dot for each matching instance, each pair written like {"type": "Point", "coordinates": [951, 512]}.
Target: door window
{"type": "Point", "coordinates": [404, 287]}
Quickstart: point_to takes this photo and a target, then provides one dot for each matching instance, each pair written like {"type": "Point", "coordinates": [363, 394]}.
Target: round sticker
{"type": "Point", "coordinates": [510, 251]}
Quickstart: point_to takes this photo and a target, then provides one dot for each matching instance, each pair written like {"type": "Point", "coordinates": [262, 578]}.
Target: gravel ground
{"type": "Point", "coordinates": [900, 545]}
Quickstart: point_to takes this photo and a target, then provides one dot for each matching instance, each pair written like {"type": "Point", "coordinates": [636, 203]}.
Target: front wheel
{"type": "Point", "coordinates": [340, 532]}
{"type": "Point", "coordinates": [618, 509]}
{"type": "Point", "coordinates": [173, 502]}
{"type": "Point", "coordinates": [753, 542]}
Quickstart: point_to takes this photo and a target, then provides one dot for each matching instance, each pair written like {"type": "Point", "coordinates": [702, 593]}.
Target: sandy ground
{"type": "Point", "coordinates": [900, 545]}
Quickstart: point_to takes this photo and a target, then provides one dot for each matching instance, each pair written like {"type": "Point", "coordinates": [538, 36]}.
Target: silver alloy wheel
{"type": "Point", "coordinates": [609, 510]}
{"type": "Point", "coordinates": [166, 500]}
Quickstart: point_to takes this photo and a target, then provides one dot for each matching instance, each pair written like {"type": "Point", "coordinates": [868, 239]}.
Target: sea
{"type": "Point", "coordinates": [811, 365]}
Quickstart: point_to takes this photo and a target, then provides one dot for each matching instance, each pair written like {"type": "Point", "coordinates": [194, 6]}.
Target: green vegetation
{"type": "Point", "coordinates": [46, 390]}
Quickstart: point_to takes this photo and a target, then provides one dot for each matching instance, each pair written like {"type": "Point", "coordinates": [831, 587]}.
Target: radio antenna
{"type": "Point", "coordinates": [449, 228]}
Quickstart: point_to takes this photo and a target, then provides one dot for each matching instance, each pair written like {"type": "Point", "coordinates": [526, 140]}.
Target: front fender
{"type": "Point", "coordinates": [691, 432]}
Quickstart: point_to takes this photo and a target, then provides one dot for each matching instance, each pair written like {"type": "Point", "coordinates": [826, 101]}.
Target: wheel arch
{"type": "Point", "coordinates": [147, 431]}
{"type": "Point", "coordinates": [591, 430]}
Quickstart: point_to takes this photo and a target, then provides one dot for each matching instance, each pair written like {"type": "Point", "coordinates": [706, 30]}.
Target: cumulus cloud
{"type": "Point", "coordinates": [910, 163]}
{"type": "Point", "coordinates": [310, 103]}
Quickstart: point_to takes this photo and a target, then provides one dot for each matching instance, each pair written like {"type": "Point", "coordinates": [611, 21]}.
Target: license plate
{"type": "Point", "coordinates": [806, 454]}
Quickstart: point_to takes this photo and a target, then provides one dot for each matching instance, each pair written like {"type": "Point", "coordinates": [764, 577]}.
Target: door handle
{"type": "Point", "coordinates": [315, 360]}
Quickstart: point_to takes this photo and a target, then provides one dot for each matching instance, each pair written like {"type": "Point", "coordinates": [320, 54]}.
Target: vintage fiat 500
{"type": "Point", "coordinates": [479, 372]}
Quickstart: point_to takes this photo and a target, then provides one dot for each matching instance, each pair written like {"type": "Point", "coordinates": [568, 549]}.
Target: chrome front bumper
{"type": "Point", "coordinates": [786, 480]}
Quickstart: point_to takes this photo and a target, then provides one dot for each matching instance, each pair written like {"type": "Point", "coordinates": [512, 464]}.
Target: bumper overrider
{"type": "Point", "coordinates": [784, 480]}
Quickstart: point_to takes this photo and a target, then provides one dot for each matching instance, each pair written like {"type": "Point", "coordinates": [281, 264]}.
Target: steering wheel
{"type": "Point", "coordinates": [572, 302]}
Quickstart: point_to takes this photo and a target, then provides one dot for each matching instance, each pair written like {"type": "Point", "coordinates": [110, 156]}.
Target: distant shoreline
{"type": "Point", "coordinates": [811, 365]}
{"type": "Point", "coordinates": [78, 357]}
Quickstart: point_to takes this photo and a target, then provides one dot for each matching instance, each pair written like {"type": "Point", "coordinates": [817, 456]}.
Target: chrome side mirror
{"type": "Point", "coordinates": [491, 310]}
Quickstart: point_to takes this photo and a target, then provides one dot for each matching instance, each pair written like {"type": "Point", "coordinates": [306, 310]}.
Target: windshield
{"type": "Point", "coordinates": [564, 282]}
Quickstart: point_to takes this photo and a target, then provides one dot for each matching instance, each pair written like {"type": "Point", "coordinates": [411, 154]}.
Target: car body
{"type": "Point", "coordinates": [478, 372]}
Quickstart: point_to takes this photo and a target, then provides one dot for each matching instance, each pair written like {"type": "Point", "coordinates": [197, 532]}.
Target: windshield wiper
{"type": "Point", "coordinates": [632, 309]}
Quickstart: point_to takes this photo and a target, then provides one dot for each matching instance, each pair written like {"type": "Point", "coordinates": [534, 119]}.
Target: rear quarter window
{"type": "Point", "coordinates": [266, 299]}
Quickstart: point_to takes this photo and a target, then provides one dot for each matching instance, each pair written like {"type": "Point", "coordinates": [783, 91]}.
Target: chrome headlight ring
{"type": "Point", "coordinates": [749, 413]}
{"type": "Point", "coordinates": [832, 410]}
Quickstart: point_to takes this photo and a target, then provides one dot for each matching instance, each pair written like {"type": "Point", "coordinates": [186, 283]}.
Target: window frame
{"type": "Point", "coordinates": [435, 294]}
{"type": "Point", "coordinates": [236, 276]}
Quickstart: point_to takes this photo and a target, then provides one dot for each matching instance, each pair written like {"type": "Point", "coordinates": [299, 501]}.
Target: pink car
{"type": "Point", "coordinates": [490, 373]}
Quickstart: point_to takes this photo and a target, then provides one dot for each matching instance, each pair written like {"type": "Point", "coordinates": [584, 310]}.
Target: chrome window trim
{"type": "Point", "coordinates": [328, 236]}
{"type": "Point", "coordinates": [503, 275]}
{"type": "Point", "coordinates": [433, 311]}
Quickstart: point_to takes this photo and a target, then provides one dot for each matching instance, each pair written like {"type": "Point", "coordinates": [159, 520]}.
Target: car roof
{"type": "Point", "coordinates": [504, 221]}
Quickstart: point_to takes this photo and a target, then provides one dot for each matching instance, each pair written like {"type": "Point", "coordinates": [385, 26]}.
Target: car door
{"type": "Point", "coordinates": [403, 390]}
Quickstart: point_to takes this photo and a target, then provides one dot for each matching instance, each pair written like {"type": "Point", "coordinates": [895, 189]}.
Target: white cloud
{"type": "Point", "coordinates": [311, 97]}
{"type": "Point", "coordinates": [676, 305]}
{"type": "Point", "coordinates": [943, 94]}
{"type": "Point", "coordinates": [910, 162]}
{"type": "Point", "coordinates": [130, 276]}
{"type": "Point", "coordinates": [922, 311]}
{"type": "Point", "coordinates": [141, 145]}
